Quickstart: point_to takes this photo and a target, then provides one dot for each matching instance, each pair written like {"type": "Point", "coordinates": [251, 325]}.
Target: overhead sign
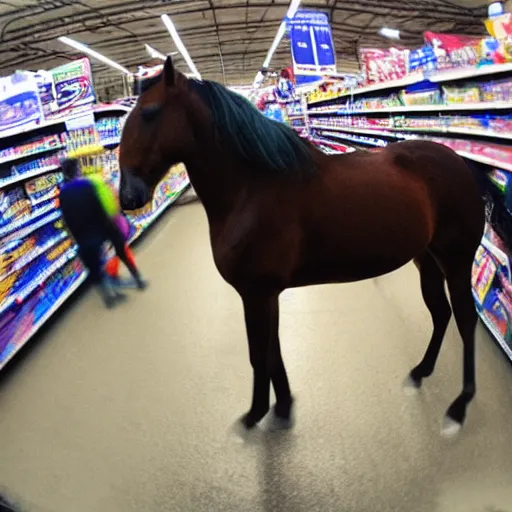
{"type": "Point", "coordinates": [20, 105]}
{"type": "Point", "coordinates": [73, 86]}
{"type": "Point", "coordinates": [312, 45]}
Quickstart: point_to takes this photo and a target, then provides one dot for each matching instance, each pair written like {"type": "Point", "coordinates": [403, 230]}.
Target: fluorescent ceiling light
{"type": "Point", "coordinates": [156, 54]}
{"type": "Point", "coordinates": [281, 31]}
{"type": "Point", "coordinates": [94, 54]}
{"type": "Point", "coordinates": [169, 25]}
{"type": "Point", "coordinates": [390, 33]}
{"type": "Point", "coordinates": [294, 5]}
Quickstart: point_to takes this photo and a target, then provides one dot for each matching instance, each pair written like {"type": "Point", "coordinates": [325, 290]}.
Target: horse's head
{"type": "Point", "coordinates": [157, 134]}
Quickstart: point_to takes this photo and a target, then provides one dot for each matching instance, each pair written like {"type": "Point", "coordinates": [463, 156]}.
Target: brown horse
{"type": "Point", "coordinates": [282, 214]}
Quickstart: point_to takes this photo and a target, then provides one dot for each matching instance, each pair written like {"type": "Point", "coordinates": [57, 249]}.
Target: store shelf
{"type": "Point", "coordinates": [437, 77]}
{"type": "Point", "coordinates": [13, 226]}
{"type": "Point", "coordinates": [13, 158]}
{"type": "Point", "coordinates": [483, 106]}
{"type": "Point", "coordinates": [357, 130]}
{"type": "Point", "coordinates": [33, 227]}
{"type": "Point", "coordinates": [111, 141]}
{"type": "Point", "coordinates": [27, 175]}
{"type": "Point", "coordinates": [44, 318]}
{"type": "Point", "coordinates": [358, 140]}
{"type": "Point", "coordinates": [398, 132]}
{"type": "Point", "coordinates": [472, 72]}
{"type": "Point", "coordinates": [54, 122]}
{"type": "Point", "coordinates": [43, 276]}
{"type": "Point", "coordinates": [392, 84]}
{"type": "Point", "coordinates": [147, 221]}
{"type": "Point", "coordinates": [35, 253]}
{"type": "Point", "coordinates": [506, 166]}
{"type": "Point", "coordinates": [496, 335]}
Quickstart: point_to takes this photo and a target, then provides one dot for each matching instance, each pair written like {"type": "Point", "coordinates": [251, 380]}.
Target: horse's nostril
{"type": "Point", "coordinates": [133, 192]}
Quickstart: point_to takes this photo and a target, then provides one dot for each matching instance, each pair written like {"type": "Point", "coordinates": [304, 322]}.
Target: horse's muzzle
{"type": "Point", "coordinates": [133, 192]}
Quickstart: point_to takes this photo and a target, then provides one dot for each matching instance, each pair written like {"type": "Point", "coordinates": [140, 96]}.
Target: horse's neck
{"type": "Point", "coordinates": [215, 180]}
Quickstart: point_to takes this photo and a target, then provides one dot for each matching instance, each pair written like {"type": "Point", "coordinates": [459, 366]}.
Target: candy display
{"type": "Point", "coordinates": [421, 95]}
{"type": "Point", "coordinates": [18, 324]}
{"type": "Point", "coordinates": [452, 50]}
{"type": "Point", "coordinates": [39, 267]}
{"type": "Point", "coordinates": [43, 188]}
{"type": "Point", "coordinates": [109, 130]}
{"type": "Point", "coordinates": [13, 206]}
{"type": "Point", "coordinates": [383, 65]}
{"type": "Point", "coordinates": [34, 147]}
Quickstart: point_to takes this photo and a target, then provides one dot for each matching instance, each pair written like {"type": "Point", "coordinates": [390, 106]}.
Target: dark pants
{"type": "Point", "coordinates": [90, 250]}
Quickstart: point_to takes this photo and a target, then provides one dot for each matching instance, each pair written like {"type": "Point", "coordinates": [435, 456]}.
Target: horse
{"type": "Point", "coordinates": [282, 214]}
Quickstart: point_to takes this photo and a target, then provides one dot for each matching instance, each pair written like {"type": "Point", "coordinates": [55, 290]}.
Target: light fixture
{"type": "Point", "coordinates": [169, 25]}
{"type": "Point", "coordinates": [155, 54]}
{"type": "Point", "coordinates": [92, 53]}
{"type": "Point", "coordinates": [281, 31]}
{"type": "Point", "coordinates": [389, 33]}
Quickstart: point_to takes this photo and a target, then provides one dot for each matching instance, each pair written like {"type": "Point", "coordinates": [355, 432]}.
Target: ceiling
{"type": "Point", "coordinates": [227, 39]}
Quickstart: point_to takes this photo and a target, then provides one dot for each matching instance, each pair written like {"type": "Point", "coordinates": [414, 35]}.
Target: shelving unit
{"type": "Point", "coordinates": [39, 266]}
{"type": "Point", "coordinates": [344, 118]}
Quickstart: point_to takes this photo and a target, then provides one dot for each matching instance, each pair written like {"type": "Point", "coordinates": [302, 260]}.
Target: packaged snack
{"type": "Point", "coordinates": [500, 90]}
{"type": "Point", "coordinates": [464, 94]}
{"type": "Point", "coordinates": [497, 314]}
{"type": "Point", "coordinates": [383, 65]}
{"type": "Point", "coordinates": [453, 50]}
{"type": "Point", "coordinates": [422, 59]}
{"type": "Point", "coordinates": [484, 272]}
{"type": "Point", "coordinates": [427, 97]}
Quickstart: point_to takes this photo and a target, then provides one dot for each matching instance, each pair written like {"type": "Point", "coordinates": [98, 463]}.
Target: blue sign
{"type": "Point", "coordinates": [312, 45]}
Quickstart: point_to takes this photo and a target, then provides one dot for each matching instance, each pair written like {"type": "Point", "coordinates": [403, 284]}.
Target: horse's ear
{"type": "Point", "coordinates": [169, 73]}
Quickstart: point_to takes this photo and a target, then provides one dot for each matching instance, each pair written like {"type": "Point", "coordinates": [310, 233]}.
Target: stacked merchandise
{"type": "Point", "coordinates": [454, 90]}
{"type": "Point", "coordinates": [39, 267]}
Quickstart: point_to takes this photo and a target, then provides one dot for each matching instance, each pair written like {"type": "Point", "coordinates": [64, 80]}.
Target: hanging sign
{"type": "Point", "coordinates": [312, 45]}
{"type": "Point", "coordinates": [20, 105]}
{"type": "Point", "coordinates": [73, 86]}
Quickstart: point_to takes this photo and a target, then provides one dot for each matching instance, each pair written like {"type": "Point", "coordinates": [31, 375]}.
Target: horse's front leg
{"type": "Point", "coordinates": [262, 324]}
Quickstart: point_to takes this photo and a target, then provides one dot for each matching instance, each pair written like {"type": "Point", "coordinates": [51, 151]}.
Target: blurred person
{"type": "Point", "coordinates": [92, 214]}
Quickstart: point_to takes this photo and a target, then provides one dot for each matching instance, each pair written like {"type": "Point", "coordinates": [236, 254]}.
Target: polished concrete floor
{"type": "Point", "coordinates": [135, 409]}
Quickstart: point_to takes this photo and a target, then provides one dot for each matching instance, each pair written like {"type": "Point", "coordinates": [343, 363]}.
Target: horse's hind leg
{"type": "Point", "coordinates": [262, 324]}
{"type": "Point", "coordinates": [432, 289]}
{"type": "Point", "coordinates": [459, 284]}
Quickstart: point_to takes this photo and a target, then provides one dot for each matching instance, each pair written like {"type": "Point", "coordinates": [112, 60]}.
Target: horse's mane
{"type": "Point", "coordinates": [257, 139]}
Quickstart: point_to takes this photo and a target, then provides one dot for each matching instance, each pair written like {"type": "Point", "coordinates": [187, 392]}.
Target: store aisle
{"type": "Point", "coordinates": [133, 410]}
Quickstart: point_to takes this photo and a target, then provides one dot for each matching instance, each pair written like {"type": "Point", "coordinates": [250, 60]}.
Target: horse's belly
{"type": "Point", "coordinates": [345, 272]}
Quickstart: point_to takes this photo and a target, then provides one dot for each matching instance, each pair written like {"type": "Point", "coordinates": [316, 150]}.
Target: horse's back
{"type": "Point", "coordinates": [370, 213]}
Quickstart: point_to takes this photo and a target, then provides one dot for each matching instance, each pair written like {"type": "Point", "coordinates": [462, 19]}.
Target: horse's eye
{"type": "Point", "coordinates": [150, 112]}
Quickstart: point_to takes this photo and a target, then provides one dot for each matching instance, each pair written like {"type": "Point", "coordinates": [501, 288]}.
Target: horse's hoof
{"type": "Point", "coordinates": [284, 410]}
{"type": "Point", "coordinates": [248, 421]}
{"type": "Point", "coordinates": [410, 386]}
{"type": "Point", "coordinates": [251, 419]}
{"type": "Point", "coordinates": [450, 427]}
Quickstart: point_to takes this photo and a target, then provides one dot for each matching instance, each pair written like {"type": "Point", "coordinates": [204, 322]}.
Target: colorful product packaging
{"type": "Point", "coordinates": [452, 50]}
{"type": "Point", "coordinates": [13, 206]}
{"type": "Point", "coordinates": [496, 312]}
{"type": "Point", "coordinates": [383, 65]}
{"type": "Point", "coordinates": [462, 94]}
{"type": "Point", "coordinates": [484, 272]}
